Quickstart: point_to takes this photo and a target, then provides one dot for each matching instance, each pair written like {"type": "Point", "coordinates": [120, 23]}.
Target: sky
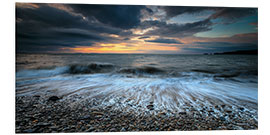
{"type": "Point", "coordinates": [87, 28]}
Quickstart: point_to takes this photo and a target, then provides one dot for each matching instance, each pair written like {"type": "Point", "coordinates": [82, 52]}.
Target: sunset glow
{"type": "Point", "coordinates": [71, 28]}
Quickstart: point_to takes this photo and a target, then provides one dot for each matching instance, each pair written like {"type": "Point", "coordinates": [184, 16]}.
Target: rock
{"type": "Point", "coordinates": [97, 113]}
{"type": "Point", "coordinates": [85, 117]}
{"type": "Point", "coordinates": [242, 124]}
{"type": "Point", "coordinates": [43, 124]}
{"type": "Point", "coordinates": [83, 128]}
{"type": "Point", "coordinates": [109, 107]}
{"type": "Point", "coordinates": [210, 111]}
{"type": "Point", "coordinates": [66, 128]}
{"type": "Point", "coordinates": [53, 98]}
{"type": "Point", "coordinates": [241, 108]}
{"type": "Point", "coordinates": [150, 107]}
{"type": "Point", "coordinates": [222, 127]}
{"type": "Point", "coordinates": [98, 116]}
{"type": "Point", "coordinates": [53, 127]}
{"type": "Point", "coordinates": [62, 120]}
{"type": "Point", "coordinates": [182, 113]}
{"type": "Point", "coordinates": [29, 130]}
{"type": "Point", "coordinates": [223, 106]}
{"type": "Point", "coordinates": [162, 114]}
{"type": "Point", "coordinates": [222, 118]}
{"type": "Point", "coordinates": [228, 111]}
{"type": "Point", "coordinates": [72, 127]}
{"type": "Point", "coordinates": [123, 129]}
{"type": "Point", "coordinates": [112, 130]}
{"type": "Point", "coordinates": [237, 128]}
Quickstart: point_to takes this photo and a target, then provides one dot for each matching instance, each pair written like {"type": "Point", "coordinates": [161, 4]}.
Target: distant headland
{"type": "Point", "coordinates": [239, 52]}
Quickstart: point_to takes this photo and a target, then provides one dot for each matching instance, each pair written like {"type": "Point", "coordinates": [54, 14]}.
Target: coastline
{"type": "Point", "coordinates": [40, 114]}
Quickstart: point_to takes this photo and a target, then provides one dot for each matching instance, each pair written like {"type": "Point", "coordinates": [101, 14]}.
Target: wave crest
{"type": "Point", "coordinates": [90, 68]}
{"type": "Point", "coordinates": [141, 70]}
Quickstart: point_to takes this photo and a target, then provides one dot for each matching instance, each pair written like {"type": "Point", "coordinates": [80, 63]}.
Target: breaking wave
{"type": "Point", "coordinates": [137, 93]}
{"type": "Point", "coordinates": [91, 68]}
{"type": "Point", "coordinates": [141, 70]}
{"type": "Point", "coordinates": [144, 71]}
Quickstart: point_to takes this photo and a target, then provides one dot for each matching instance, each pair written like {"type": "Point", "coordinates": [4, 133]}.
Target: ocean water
{"type": "Point", "coordinates": [131, 81]}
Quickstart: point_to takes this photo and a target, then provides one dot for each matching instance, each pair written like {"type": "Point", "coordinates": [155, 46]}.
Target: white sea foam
{"type": "Point", "coordinates": [133, 93]}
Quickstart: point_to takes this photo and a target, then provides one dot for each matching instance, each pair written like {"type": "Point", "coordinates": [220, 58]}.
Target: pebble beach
{"type": "Point", "coordinates": [37, 114]}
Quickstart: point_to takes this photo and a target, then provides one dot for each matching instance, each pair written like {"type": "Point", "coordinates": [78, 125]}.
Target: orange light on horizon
{"type": "Point", "coordinates": [120, 48]}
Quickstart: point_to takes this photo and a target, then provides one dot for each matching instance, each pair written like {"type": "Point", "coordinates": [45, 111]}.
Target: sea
{"type": "Point", "coordinates": [132, 81]}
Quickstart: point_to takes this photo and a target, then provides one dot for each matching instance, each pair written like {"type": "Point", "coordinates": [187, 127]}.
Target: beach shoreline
{"type": "Point", "coordinates": [42, 114]}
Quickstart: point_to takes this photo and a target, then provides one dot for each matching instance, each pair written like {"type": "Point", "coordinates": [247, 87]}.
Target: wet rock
{"type": "Point", "coordinates": [53, 127]}
{"type": "Point", "coordinates": [210, 111]}
{"type": "Point", "coordinates": [72, 127]}
{"type": "Point", "coordinates": [62, 120]}
{"type": "Point", "coordinates": [66, 128]}
{"type": "Point", "coordinates": [237, 127]}
{"type": "Point", "coordinates": [113, 130]}
{"type": "Point", "coordinates": [162, 114]}
{"type": "Point", "coordinates": [150, 107]}
{"type": "Point", "coordinates": [53, 98]}
{"type": "Point", "coordinates": [241, 108]}
{"type": "Point", "coordinates": [43, 124]}
{"type": "Point", "coordinates": [222, 118]}
{"type": "Point", "coordinates": [97, 113]}
{"type": "Point", "coordinates": [98, 116]}
{"type": "Point", "coordinates": [90, 129]}
{"type": "Point", "coordinates": [222, 127]}
{"type": "Point", "coordinates": [85, 117]}
{"type": "Point", "coordinates": [228, 111]}
{"type": "Point", "coordinates": [182, 113]}
{"type": "Point", "coordinates": [29, 130]}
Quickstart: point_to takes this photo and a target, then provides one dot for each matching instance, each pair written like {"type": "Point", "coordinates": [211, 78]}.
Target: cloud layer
{"type": "Point", "coordinates": [164, 40]}
{"type": "Point", "coordinates": [56, 27]}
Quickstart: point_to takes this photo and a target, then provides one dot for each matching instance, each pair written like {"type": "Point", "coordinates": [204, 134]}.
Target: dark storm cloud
{"type": "Point", "coordinates": [46, 17]}
{"type": "Point", "coordinates": [233, 13]}
{"type": "Point", "coordinates": [172, 11]}
{"type": "Point", "coordinates": [212, 47]}
{"type": "Point", "coordinates": [49, 26]}
{"type": "Point", "coordinates": [120, 16]}
{"type": "Point", "coordinates": [144, 37]}
{"type": "Point", "coordinates": [219, 12]}
{"type": "Point", "coordinates": [177, 30]}
{"type": "Point", "coordinates": [57, 37]}
{"type": "Point", "coordinates": [228, 15]}
{"type": "Point", "coordinates": [164, 40]}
